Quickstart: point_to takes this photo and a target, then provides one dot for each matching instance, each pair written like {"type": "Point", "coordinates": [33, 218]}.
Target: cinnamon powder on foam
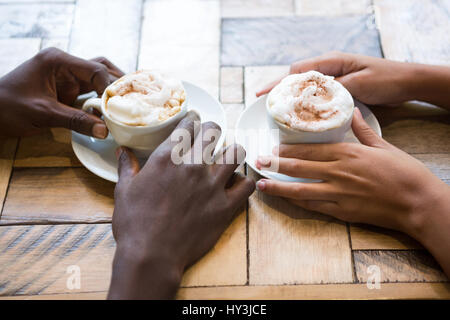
{"type": "Point", "coordinates": [129, 87]}
{"type": "Point", "coordinates": [327, 104]}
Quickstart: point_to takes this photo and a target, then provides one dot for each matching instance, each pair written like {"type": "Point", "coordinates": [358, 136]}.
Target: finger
{"type": "Point", "coordinates": [314, 152]}
{"type": "Point", "coordinates": [77, 120]}
{"type": "Point", "coordinates": [240, 190]}
{"type": "Point", "coordinates": [204, 145]}
{"type": "Point", "coordinates": [352, 82]}
{"type": "Point", "coordinates": [268, 87]}
{"type": "Point", "coordinates": [333, 64]}
{"type": "Point", "coordinates": [182, 137]}
{"type": "Point", "coordinates": [225, 166]}
{"type": "Point", "coordinates": [296, 190]}
{"type": "Point", "coordinates": [294, 167]}
{"type": "Point", "coordinates": [128, 164]}
{"type": "Point", "coordinates": [91, 73]}
{"type": "Point", "coordinates": [364, 132]}
{"type": "Point", "coordinates": [326, 207]}
{"type": "Point", "coordinates": [112, 68]}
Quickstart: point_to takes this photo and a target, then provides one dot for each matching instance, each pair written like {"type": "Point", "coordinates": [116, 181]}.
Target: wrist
{"type": "Point", "coordinates": [428, 213]}
{"type": "Point", "coordinates": [138, 275]}
{"type": "Point", "coordinates": [428, 83]}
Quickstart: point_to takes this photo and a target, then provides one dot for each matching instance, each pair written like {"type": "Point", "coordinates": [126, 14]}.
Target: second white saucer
{"type": "Point", "coordinates": [253, 121]}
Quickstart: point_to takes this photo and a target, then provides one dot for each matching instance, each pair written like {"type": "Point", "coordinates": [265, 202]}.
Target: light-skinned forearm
{"type": "Point", "coordinates": [430, 225]}
{"type": "Point", "coordinates": [429, 84]}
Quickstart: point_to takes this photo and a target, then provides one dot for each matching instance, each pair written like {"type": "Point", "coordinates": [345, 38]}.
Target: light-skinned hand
{"type": "Point", "coordinates": [373, 182]}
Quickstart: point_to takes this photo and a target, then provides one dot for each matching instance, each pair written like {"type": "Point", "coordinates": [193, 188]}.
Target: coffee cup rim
{"type": "Point", "coordinates": [173, 118]}
{"type": "Point", "coordinates": [286, 127]}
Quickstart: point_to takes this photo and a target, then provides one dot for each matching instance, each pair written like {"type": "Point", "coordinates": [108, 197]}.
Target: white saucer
{"type": "Point", "coordinates": [254, 120]}
{"type": "Point", "coordinates": [98, 156]}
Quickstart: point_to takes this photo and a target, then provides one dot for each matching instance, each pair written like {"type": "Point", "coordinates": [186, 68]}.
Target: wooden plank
{"type": "Point", "coordinates": [96, 31]}
{"type": "Point", "coordinates": [34, 259]}
{"type": "Point", "coordinates": [289, 245]}
{"type": "Point", "coordinates": [7, 151]}
{"type": "Point", "coordinates": [51, 149]}
{"type": "Point", "coordinates": [408, 33]}
{"type": "Point", "coordinates": [202, 29]}
{"type": "Point", "coordinates": [398, 266]}
{"type": "Point", "coordinates": [369, 238]}
{"type": "Point", "coordinates": [438, 163]}
{"type": "Point", "coordinates": [331, 8]}
{"type": "Point", "coordinates": [42, 195]}
{"type": "Point", "coordinates": [284, 40]}
{"type": "Point", "coordinates": [318, 292]}
{"type": "Point", "coordinates": [190, 52]}
{"type": "Point", "coordinates": [13, 52]}
{"type": "Point", "coordinates": [256, 78]}
{"type": "Point", "coordinates": [420, 129]}
{"type": "Point", "coordinates": [60, 43]}
{"type": "Point", "coordinates": [231, 85]}
{"type": "Point", "coordinates": [417, 128]}
{"type": "Point", "coordinates": [226, 264]}
{"type": "Point", "coordinates": [62, 296]}
{"type": "Point", "coordinates": [428, 135]}
{"type": "Point", "coordinates": [36, 20]}
{"type": "Point", "coordinates": [256, 8]}
{"type": "Point", "coordinates": [293, 292]}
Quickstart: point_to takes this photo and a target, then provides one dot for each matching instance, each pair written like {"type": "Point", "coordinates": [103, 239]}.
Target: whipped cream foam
{"type": "Point", "coordinates": [310, 101]}
{"type": "Point", "coordinates": [144, 98]}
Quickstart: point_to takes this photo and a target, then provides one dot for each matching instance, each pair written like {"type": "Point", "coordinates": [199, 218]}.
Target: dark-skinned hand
{"type": "Point", "coordinates": [167, 216]}
{"type": "Point", "coordinates": [39, 93]}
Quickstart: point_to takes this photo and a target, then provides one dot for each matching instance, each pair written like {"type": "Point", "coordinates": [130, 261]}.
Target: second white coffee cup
{"type": "Point", "coordinates": [288, 135]}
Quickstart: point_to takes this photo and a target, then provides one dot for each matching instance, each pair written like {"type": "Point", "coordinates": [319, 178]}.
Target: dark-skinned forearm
{"type": "Point", "coordinates": [134, 277]}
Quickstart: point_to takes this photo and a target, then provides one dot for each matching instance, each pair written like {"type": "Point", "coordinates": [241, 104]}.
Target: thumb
{"type": "Point", "coordinates": [78, 120]}
{"type": "Point", "coordinates": [128, 164]}
{"type": "Point", "coordinates": [363, 131]}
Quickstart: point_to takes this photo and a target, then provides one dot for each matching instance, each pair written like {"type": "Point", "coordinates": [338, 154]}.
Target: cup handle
{"type": "Point", "coordinates": [93, 103]}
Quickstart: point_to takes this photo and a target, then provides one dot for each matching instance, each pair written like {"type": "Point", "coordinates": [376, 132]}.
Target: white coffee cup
{"type": "Point", "coordinates": [141, 139]}
{"type": "Point", "coordinates": [288, 135]}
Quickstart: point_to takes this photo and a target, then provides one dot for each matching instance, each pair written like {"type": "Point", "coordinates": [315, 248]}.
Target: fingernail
{"type": "Point", "coordinates": [358, 112]}
{"type": "Point", "coordinates": [99, 131]}
{"type": "Point", "coordinates": [264, 161]}
{"type": "Point", "coordinates": [257, 165]}
{"type": "Point", "coordinates": [119, 152]}
{"type": "Point", "coordinates": [261, 185]}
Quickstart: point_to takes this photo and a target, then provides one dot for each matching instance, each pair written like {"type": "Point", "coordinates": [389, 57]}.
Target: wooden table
{"type": "Point", "coordinates": [56, 214]}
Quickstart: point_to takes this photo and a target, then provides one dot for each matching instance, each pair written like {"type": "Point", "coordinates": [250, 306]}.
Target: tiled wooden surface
{"type": "Point", "coordinates": [231, 48]}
